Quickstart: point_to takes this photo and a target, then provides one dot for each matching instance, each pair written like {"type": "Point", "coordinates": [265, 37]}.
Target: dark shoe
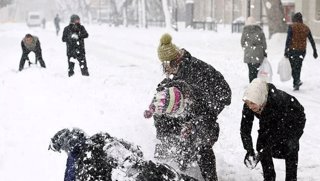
{"type": "Point", "coordinates": [85, 74]}
{"type": "Point", "coordinates": [296, 87]}
{"type": "Point", "coordinates": [20, 69]}
{"type": "Point", "coordinates": [70, 73]}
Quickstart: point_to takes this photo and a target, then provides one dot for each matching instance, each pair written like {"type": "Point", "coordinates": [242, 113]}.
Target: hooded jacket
{"type": "Point", "coordinates": [281, 123]}
{"type": "Point", "coordinates": [253, 42]}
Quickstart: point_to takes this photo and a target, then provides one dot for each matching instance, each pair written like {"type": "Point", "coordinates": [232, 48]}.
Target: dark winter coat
{"type": "Point", "coordinates": [33, 47]}
{"type": "Point", "coordinates": [57, 22]}
{"type": "Point", "coordinates": [210, 94]}
{"type": "Point", "coordinates": [296, 42]}
{"type": "Point", "coordinates": [95, 158]}
{"type": "Point", "coordinates": [253, 42]}
{"type": "Point", "coordinates": [281, 124]}
{"type": "Point", "coordinates": [75, 47]}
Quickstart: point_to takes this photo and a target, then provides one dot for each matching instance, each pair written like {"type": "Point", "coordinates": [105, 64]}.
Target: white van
{"type": "Point", "coordinates": [34, 19]}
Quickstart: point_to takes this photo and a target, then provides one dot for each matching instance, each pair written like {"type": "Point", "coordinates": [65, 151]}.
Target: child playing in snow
{"type": "Point", "coordinates": [105, 158]}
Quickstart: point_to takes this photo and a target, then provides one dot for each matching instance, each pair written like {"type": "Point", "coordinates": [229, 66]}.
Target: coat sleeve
{"type": "Point", "coordinates": [70, 174]}
{"type": "Point", "coordinates": [83, 33]}
{"type": "Point", "coordinates": [65, 35]}
{"type": "Point", "coordinates": [243, 38]}
{"type": "Point", "coordinates": [246, 127]}
{"type": "Point", "coordinates": [25, 51]}
{"type": "Point", "coordinates": [310, 37]}
{"type": "Point", "coordinates": [264, 42]}
{"type": "Point", "coordinates": [288, 40]}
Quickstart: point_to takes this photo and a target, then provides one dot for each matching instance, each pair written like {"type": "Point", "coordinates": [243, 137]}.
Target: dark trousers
{"type": "Point", "coordinates": [207, 163]}
{"type": "Point", "coordinates": [24, 57]}
{"type": "Point", "coordinates": [82, 63]}
{"type": "Point", "coordinates": [269, 173]}
{"type": "Point", "coordinates": [296, 65]}
{"type": "Point", "coordinates": [253, 70]}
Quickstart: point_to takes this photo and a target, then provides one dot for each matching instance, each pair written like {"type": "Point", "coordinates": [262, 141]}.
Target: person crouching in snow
{"type": "Point", "coordinates": [105, 158]}
{"type": "Point", "coordinates": [281, 121]}
{"type": "Point", "coordinates": [31, 43]}
{"type": "Point", "coordinates": [74, 35]}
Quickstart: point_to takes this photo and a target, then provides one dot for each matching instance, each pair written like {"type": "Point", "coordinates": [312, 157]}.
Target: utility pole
{"type": "Point", "coordinates": [248, 7]}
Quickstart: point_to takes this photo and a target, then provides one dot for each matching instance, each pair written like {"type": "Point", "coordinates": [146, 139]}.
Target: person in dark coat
{"type": "Point", "coordinates": [31, 43]}
{"type": "Point", "coordinates": [281, 121]}
{"type": "Point", "coordinates": [210, 94]}
{"type": "Point", "coordinates": [102, 157]}
{"type": "Point", "coordinates": [254, 44]}
{"type": "Point", "coordinates": [296, 44]}
{"type": "Point", "coordinates": [57, 24]}
{"type": "Point", "coordinates": [74, 35]}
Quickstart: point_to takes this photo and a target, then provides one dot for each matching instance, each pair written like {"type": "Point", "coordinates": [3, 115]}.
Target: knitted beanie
{"type": "Point", "coordinates": [256, 92]}
{"type": "Point", "coordinates": [297, 17]}
{"type": "Point", "coordinates": [169, 101]}
{"type": "Point", "coordinates": [250, 21]}
{"type": "Point", "coordinates": [73, 18]}
{"type": "Point", "coordinates": [167, 51]}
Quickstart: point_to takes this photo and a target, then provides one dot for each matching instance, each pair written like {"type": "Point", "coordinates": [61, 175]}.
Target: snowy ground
{"type": "Point", "coordinates": [124, 69]}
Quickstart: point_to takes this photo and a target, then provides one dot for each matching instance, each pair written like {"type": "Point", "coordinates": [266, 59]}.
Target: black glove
{"type": "Point", "coordinates": [265, 54]}
{"type": "Point", "coordinates": [163, 84]}
{"type": "Point", "coordinates": [315, 54]}
{"type": "Point", "coordinates": [250, 160]}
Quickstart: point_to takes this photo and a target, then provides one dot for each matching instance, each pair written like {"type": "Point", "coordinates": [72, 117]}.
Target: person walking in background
{"type": "Point", "coordinates": [57, 24]}
{"type": "Point", "coordinates": [281, 121]}
{"type": "Point", "coordinates": [43, 22]}
{"type": "Point", "coordinates": [210, 94]}
{"type": "Point", "coordinates": [74, 35]}
{"type": "Point", "coordinates": [295, 48]}
{"type": "Point", "coordinates": [31, 43]}
{"type": "Point", "coordinates": [253, 42]}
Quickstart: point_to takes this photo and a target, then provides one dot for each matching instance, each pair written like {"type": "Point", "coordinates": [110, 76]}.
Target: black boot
{"type": "Point", "coordinates": [70, 69]}
{"type": "Point", "coordinates": [84, 72]}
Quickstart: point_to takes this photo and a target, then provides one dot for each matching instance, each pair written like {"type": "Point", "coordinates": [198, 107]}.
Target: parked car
{"type": "Point", "coordinates": [34, 19]}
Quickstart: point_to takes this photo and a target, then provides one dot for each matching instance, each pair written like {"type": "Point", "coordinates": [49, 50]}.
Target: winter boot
{"type": "Point", "coordinates": [42, 64]}
{"type": "Point", "coordinates": [70, 69]}
{"type": "Point", "coordinates": [296, 87]}
{"type": "Point", "coordinates": [84, 72]}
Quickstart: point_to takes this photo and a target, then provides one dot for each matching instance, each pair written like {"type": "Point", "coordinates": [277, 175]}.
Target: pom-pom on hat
{"type": "Point", "coordinates": [256, 92]}
{"type": "Point", "coordinates": [167, 51]}
{"type": "Point", "coordinates": [169, 101]}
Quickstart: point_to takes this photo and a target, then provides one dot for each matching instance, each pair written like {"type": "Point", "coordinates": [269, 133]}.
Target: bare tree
{"type": "Point", "coordinates": [275, 15]}
{"type": "Point", "coordinates": [68, 7]}
{"type": "Point", "coordinates": [167, 14]}
{"type": "Point", "coordinates": [4, 3]}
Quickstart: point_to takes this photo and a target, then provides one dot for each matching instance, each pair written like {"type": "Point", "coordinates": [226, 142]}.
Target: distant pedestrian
{"type": "Point", "coordinates": [29, 44]}
{"type": "Point", "coordinates": [74, 35]}
{"type": "Point", "coordinates": [57, 24]}
{"type": "Point", "coordinates": [43, 22]}
{"type": "Point", "coordinates": [296, 45]}
{"type": "Point", "coordinates": [253, 42]}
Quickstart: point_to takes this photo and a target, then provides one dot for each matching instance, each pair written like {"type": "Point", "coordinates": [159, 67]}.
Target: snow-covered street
{"type": "Point", "coordinates": [124, 72]}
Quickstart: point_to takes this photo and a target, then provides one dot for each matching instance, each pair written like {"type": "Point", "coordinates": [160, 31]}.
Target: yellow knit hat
{"type": "Point", "coordinates": [167, 51]}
